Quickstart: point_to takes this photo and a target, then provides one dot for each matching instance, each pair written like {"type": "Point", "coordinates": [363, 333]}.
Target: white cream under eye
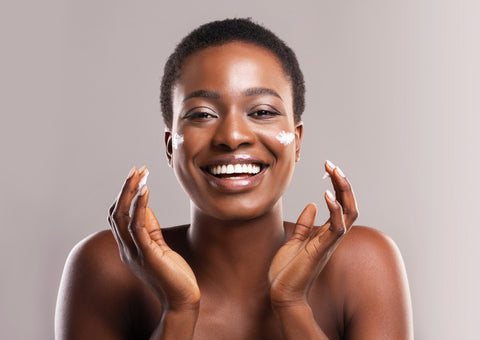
{"type": "Point", "coordinates": [285, 138]}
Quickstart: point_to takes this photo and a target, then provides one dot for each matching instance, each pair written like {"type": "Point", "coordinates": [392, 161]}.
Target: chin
{"type": "Point", "coordinates": [238, 210]}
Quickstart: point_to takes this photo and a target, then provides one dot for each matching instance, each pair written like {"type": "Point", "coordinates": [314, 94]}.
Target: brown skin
{"type": "Point", "coordinates": [237, 271]}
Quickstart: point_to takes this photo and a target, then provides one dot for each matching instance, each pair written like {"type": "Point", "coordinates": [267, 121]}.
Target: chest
{"type": "Point", "coordinates": [221, 317]}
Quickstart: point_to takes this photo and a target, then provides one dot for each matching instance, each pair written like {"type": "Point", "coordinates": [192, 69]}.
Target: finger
{"type": "Point", "coordinates": [303, 227]}
{"type": "Point", "coordinates": [344, 193]}
{"type": "Point", "coordinates": [121, 212]}
{"type": "Point", "coordinates": [326, 240]}
{"type": "Point", "coordinates": [129, 190]}
{"type": "Point", "coordinates": [346, 197]}
{"type": "Point", "coordinates": [138, 224]}
{"type": "Point", "coordinates": [113, 226]}
{"type": "Point", "coordinates": [337, 225]}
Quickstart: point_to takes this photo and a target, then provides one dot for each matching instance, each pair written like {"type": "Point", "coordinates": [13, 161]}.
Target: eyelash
{"type": "Point", "coordinates": [199, 115]}
{"type": "Point", "coordinates": [264, 113]}
{"type": "Point", "coordinates": [258, 114]}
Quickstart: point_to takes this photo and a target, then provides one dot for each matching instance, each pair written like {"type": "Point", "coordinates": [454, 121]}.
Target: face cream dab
{"type": "Point", "coordinates": [177, 140]}
{"type": "Point", "coordinates": [285, 137]}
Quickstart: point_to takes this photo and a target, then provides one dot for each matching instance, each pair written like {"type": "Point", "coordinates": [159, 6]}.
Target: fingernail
{"type": "Point", "coordinates": [143, 191]}
{"type": "Point", "coordinates": [326, 175]}
{"type": "Point", "coordinates": [330, 196]}
{"type": "Point", "coordinates": [142, 169]}
{"type": "Point", "coordinates": [143, 180]}
{"type": "Point", "coordinates": [130, 174]}
{"type": "Point", "coordinates": [340, 172]}
{"type": "Point", "coordinates": [330, 165]}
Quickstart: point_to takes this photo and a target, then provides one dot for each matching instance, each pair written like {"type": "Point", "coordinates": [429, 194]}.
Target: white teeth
{"type": "Point", "coordinates": [227, 169]}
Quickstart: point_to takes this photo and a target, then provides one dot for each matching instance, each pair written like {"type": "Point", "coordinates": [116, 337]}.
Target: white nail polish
{"type": "Point", "coordinates": [143, 181]}
{"type": "Point", "coordinates": [330, 164]}
{"type": "Point", "coordinates": [143, 191]}
{"type": "Point", "coordinates": [326, 175]}
{"type": "Point", "coordinates": [330, 196]}
{"type": "Point", "coordinates": [340, 172]}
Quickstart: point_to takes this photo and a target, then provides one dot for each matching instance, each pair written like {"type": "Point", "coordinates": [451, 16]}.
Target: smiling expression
{"type": "Point", "coordinates": [229, 104]}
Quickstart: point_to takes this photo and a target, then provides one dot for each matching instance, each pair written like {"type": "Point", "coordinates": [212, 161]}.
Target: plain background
{"type": "Point", "coordinates": [392, 97]}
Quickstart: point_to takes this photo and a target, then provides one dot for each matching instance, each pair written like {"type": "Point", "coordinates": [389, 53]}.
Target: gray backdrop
{"type": "Point", "coordinates": [393, 98]}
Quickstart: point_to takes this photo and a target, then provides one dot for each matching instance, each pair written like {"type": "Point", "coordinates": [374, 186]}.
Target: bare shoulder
{"type": "Point", "coordinates": [369, 267]}
{"type": "Point", "coordinates": [97, 258]}
{"type": "Point", "coordinates": [93, 289]}
{"type": "Point", "coordinates": [365, 246]}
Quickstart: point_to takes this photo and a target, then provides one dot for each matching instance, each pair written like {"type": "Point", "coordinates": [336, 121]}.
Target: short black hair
{"type": "Point", "coordinates": [221, 32]}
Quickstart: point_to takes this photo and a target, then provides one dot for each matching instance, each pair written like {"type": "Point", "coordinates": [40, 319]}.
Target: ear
{"type": "Point", "coordinates": [298, 139]}
{"type": "Point", "coordinates": [168, 145]}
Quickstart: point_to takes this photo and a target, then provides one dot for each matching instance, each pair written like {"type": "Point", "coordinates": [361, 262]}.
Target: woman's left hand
{"type": "Point", "coordinates": [301, 259]}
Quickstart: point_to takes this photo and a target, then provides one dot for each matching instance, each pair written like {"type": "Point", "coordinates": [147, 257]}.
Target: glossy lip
{"type": "Point", "coordinates": [234, 185]}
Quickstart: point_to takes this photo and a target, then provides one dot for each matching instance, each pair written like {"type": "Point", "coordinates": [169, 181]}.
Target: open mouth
{"type": "Point", "coordinates": [234, 171]}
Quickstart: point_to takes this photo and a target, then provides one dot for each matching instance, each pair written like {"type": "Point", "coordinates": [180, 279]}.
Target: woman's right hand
{"type": "Point", "coordinates": [145, 252]}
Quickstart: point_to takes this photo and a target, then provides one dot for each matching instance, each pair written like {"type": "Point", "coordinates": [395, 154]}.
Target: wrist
{"type": "Point", "coordinates": [297, 320]}
{"type": "Point", "coordinates": [297, 301]}
{"type": "Point", "coordinates": [176, 325]}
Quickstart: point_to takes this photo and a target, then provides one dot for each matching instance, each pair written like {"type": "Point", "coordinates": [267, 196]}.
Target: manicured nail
{"type": "Point", "coordinates": [142, 169]}
{"type": "Point", "coordinates": [143, 180]}
{"type": "Point", "coordinates": [330, 196]}
{"type": "Point", "coordinates": [340, 172]}
{"type": "Point", "coordinates": [143, 191]}
{"type": "Point", "coordinates": [326, 175]}
{"type": "Point", "coordinates": [130, 174]}
{"type": "Point", "coordinates": [330, 165]}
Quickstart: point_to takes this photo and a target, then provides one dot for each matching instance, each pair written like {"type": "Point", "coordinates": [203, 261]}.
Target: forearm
{"type": "Point", "coordinates": [176, 325]}
{"type": "Point", "coordinates": [297, 322]}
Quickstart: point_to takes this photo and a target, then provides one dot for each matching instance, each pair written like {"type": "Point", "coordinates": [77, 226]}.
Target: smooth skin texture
{"type": "Point", "coordinates": [238, 271]}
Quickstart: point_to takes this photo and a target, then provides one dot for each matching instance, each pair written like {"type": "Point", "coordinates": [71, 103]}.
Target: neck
{"type": "Point", "coordinates": [235, 255]}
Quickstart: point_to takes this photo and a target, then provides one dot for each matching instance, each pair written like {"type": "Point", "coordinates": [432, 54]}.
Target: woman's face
{"type": "Point", "coordinates": [234, 142]}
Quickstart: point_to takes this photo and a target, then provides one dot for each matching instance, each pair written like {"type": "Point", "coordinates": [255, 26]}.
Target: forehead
{"type": "Point", "coordinates": [231, 69]}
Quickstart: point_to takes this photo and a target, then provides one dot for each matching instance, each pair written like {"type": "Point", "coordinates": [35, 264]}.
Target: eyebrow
{"type": "Point", "coordinates": [202, 94]}
{"type": "Point", "coordinates": [254, 91]}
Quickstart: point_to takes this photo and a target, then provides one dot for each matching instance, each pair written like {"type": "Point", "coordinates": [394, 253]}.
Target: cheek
{"type": "Point", "coordinates": [280, 141]}
{"type": "Point", "coordinates": [177, 140]}
{"type": "Point", "coordinates": [285, 138]}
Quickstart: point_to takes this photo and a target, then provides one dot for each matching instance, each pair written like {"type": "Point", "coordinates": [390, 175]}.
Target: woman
{"type": "Point", "coordinates": [232, 97]}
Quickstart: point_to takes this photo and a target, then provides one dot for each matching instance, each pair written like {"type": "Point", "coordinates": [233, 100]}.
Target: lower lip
{"type": "Point", "coordinates": [234, 185]}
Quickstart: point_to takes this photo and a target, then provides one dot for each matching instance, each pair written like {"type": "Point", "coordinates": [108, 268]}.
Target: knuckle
{"type": "Point", "coordinates": [112, 208]}
{"type": "Point", "coordinates": [118, 215]}
{"type": "Point", "coordinates": [338, 209]}
{"type": "Point", "coordinates": [156, 235]}
{"type": "Point", "coordinates": [132, 228]}
{"type": "Point", "coordinates": [337, 229]}
{"type": "Point", "coordinates": [345, 186]}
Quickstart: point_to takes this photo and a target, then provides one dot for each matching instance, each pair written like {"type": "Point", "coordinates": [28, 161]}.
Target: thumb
{"type": "Point", "coordinates": [153, 228]}
{"type": "Point", "coordinates": [305, 221]}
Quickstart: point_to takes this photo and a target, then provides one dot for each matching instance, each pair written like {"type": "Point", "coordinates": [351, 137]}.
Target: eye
{"type": "Point", "coordinates": [264, 114]}
{"type": "Point", "coordinates": [199, 115]}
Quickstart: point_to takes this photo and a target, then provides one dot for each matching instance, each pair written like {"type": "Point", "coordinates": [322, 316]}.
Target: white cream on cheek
{"type": "Point", "coordinates": [285, 138]}
{"type": "Point", "coordinates": [177, 140]}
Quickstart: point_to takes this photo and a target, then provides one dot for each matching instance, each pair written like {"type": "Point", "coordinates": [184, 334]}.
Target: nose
{"type": "Point", "coordinates": [233, 132]}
